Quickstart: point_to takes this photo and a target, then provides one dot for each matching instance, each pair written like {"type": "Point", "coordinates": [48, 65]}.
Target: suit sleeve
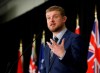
{"type": "Point", "coordinates": [76, 54]}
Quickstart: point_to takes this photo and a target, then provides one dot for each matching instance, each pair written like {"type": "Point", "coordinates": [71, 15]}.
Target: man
{"type": "Point", "coordinates": [68, 54]}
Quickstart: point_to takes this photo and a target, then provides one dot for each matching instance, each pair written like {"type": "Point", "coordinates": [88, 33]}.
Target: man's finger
{"type": "Point", "coordinates": [63, 40]}
{"type": "Point", "coordinates": [49, 45]}
{"type": "Point", "coordinates": [52, 41]}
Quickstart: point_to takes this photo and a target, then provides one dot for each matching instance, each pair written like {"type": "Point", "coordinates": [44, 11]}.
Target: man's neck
{"type": "Point", "coordinates": [56, 33]}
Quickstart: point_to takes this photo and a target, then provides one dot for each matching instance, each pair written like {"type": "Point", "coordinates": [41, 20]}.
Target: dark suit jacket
{"type": "Point", "coordinates": [74, 60]}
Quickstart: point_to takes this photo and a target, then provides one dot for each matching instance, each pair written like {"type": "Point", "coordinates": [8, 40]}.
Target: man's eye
{"type": "Point", "coordinates": [55, 16]}
{"type": "Point", "coordinates": [48, 17]}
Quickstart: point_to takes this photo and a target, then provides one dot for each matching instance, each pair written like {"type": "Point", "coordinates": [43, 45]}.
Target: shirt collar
{"type": "Point", "coordinates": [60, 34]}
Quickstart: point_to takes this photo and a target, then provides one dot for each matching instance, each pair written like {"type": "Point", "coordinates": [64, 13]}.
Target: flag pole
{"type": "Point", "coordinates": [95, 14]}
{"type": "Point", "coordinates": [77, 20]}
{"type": "Point", "coordinates": [77, 29]}
{"type": "Point", "coordinates": [43, 37]}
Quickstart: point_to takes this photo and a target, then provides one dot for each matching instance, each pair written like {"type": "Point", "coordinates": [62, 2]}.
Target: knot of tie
{"type": "Point", "coordinates": [55, 39]}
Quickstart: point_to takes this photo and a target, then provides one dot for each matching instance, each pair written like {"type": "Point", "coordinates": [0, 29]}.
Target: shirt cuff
{"type": "Point", "coordinates": [62, 56]}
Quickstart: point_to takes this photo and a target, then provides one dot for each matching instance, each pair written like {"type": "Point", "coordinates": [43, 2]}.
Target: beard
{"type": "Point", "coordinates": [55, 29]}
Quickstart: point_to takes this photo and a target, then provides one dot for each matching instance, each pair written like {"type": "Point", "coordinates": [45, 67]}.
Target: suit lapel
{"type": "Point", "coordinates": [52, 61]}
{"type": "Point", "coordinates": [66, 36]}
{"type": "Point", "coordinates": [47, 53]}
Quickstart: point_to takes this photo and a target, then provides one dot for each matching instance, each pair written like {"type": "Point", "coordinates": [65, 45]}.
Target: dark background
{"type": "Point", "coordinates": [34, 22]}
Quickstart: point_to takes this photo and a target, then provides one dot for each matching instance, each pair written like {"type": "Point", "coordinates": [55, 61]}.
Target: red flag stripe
{"type": "Point", "coordinates": [20, 66]}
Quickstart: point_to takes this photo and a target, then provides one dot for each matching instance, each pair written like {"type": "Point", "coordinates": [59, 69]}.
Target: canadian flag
{"type": "Point", "coordinates": [33, 58]}
{"type": "Point", "coordinates": [20, 60]}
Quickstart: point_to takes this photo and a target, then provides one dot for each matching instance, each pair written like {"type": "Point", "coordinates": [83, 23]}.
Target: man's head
{"type": "Point", "coordinates": [56, 8]}
{"type": "Point", "coordinates": [56, 18]}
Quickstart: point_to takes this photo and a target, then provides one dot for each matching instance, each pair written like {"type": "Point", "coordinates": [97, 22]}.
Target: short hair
{"type": "Point", "coordinates": [56, 8]}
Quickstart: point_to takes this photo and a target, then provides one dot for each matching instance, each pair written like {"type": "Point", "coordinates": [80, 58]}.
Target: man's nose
{"type": "Point", "coordinates": [52, 19]}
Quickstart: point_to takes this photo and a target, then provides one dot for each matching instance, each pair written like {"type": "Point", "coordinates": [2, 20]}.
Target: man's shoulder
{"type": "Point", "coordinates": [72, 34]}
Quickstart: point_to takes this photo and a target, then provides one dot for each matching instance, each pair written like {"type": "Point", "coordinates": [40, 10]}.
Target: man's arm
{"type": "Point", "coordinates": [75, 54]}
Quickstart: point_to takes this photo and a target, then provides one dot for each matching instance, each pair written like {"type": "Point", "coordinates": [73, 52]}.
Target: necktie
{"type": "Point", "coordinates": [51, 53]}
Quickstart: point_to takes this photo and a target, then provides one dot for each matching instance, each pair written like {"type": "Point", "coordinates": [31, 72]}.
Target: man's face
{"type": "Point", "coordinates": [55, 21]}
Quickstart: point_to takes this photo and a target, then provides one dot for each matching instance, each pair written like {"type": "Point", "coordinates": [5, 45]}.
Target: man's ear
{"type": "Point", "coordinates": [64, 18]}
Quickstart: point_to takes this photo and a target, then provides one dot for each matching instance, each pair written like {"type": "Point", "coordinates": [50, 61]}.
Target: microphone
{"type": "Point", "coordinates": [8, 64]}
{"type": "Point", "coordinates": [10, 69]}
